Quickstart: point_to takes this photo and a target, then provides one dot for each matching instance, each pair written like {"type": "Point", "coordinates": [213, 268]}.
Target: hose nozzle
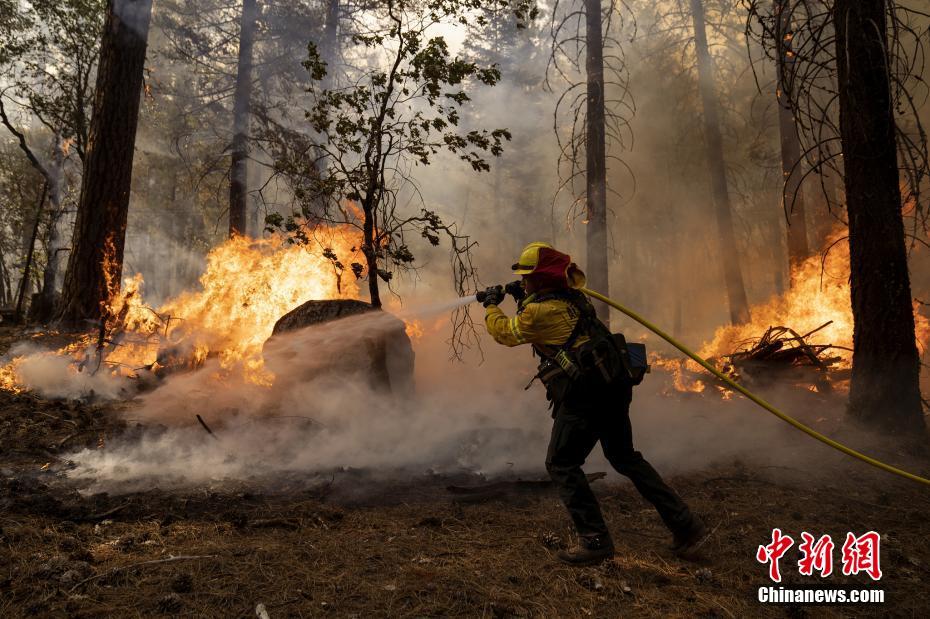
{"type": "Point", "coordinates": [492, 295]}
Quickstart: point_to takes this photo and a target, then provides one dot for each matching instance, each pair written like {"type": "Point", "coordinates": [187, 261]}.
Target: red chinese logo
{"type": "Point", "coordinates": [815, 556]}
{"type": "Point", "coordinates": [860, 554]}
{"type": "Point", "coordinates": [773, 552]}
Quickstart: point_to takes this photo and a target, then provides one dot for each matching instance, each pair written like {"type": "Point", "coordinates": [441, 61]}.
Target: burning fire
{"type": "Point", "coordinates": [819, 293]}
{"type": "Point", "coordinates": [246, 287]}
{"type": "Point", "coordinates": [414, 329]}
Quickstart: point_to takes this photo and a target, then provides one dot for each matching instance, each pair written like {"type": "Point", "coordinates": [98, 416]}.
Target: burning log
{"type": "Point", "coordinates": [782, 353]}
{"type": "Point", "coordinates": [386, 356]}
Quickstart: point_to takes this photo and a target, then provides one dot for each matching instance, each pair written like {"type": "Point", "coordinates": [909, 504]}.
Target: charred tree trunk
{"type": "Point", "coordinates": [5, 298]}
{"type": "Point", "coordinates": [371, 254]}
{"type": "Point", "coordinates": [885, 390]}
{"type": "Point", "coordinates": [331, 51]}
{"type": "Point", "coordinates": [96, 261]}
{"type": "Point", "coordinates": [776, 241]}
{"type": "Point", "coordinates": [25, 283]}
{"type": "Point", "coordinates": [25, 238]}
{"type": "Point", "coordinates": [792, 197]}
{"type": "Point", "coordinates": [732, 274]}
{"type": "Point", "coordinates": [331, 54]}
{"type": "Point", "coordinates": [596, 157]}
{"type": "Point", "coordinates": [46, 306]}
{"type": "Point", "coordinates": [242, 109]}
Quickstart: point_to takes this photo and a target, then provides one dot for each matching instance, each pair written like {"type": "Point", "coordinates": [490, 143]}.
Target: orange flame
{"type": "Point", "coordinates": [246, 287]}
{"type": "Point", "coordinates": [414, 329]}
{"type": "Point", "coordinates": [819, 293]}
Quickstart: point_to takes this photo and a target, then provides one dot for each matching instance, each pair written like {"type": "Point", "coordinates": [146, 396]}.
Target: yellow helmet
{"type": "Point", "coordinates": [529, 258]}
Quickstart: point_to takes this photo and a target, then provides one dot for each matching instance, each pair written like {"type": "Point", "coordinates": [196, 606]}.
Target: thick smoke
{"type": "Point", "coordinates": [463, 417]}
{"type": "Point", "coordinates": [473, 415]}
{"type": "Point", "coordinates": [53, 375]}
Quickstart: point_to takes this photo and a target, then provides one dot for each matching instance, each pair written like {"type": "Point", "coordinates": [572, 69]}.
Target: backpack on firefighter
{"type": "Point", "coordinates": [605, 355]}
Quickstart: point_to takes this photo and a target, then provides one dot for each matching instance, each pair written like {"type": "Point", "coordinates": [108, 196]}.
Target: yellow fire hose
{"type": "Point", "coordinates": [734, 385]}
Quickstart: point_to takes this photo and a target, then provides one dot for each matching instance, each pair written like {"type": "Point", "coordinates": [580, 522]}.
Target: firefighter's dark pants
{"type": "Point", "coordinates": [592, 412]}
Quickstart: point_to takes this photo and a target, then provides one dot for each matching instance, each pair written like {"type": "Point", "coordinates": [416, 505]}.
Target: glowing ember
{"type": "Point", "coordinates": [682, 381]}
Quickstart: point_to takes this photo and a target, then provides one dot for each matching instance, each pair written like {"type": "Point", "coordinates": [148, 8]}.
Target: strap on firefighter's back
{"type": "Point", "coordinates": [607, 353]}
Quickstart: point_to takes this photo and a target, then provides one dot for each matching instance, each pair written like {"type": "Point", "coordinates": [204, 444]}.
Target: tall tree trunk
{"type": "Point", "coordinates": [792, 198]}
{"type": "Point", "coordinates": [331, 54]}
{"type": "Point", "coordinates": [596, 158]}
{"type": "Point", "coordinates": [732, 274]}
{"type": "Point", "coordinates": [5, 298]}
{"type": "Point", "coordinates": [96, 261]}
{"type": "Point", "coordinates": [242, 109]}
{"type": "Point", "coordinates": [25, 284]}
{"type": "Point", "coordinates": [44, 309]}
{"type": "Point", "coordinates": [777, 243]}
{"type": "Point", "coordinates": [885, 389]}
{"type": "Point", "coordinates": [3, 288]}
{"type": "Point", "coordinates": [331, 49]}
{"type": "Point", "coordinates": [25, 241]}
{"type": "Point", "coordinates": [371, 254]}
{"type": "Point", "coordinates": [254, 227]}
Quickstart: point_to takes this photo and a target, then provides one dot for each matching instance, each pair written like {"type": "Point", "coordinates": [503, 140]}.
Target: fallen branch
{"type": "Point", "coordinates": [106, 514]}
{"type": "Point", "coordinates": [123, 568]}
{"type": "Point", "coordinates": [206, 427]}
{"type": "Point", "coordinates": [823, 326]}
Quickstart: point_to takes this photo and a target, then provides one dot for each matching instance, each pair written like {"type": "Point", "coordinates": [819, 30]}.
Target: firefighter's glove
{"type": "Point", "coordinates": [493, 295]}
{"type": "Point", "coordinates": [516, 290]}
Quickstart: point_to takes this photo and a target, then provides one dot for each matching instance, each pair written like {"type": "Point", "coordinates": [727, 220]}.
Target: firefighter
{"type": "Point", "coordinates": [589, 386]}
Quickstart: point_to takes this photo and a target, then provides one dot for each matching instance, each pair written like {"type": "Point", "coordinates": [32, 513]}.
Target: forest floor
{"type": "Point", "coordinates": [351, 546]}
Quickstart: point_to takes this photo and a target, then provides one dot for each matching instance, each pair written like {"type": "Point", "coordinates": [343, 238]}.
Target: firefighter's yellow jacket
{"type": "Point", "coordinates": [549, 322]}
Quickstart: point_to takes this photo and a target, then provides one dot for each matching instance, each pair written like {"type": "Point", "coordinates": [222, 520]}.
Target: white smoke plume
{"type": "Point", "coordinates": [463, 417]}
{"type": "Point", "coordinates": [54, 375]}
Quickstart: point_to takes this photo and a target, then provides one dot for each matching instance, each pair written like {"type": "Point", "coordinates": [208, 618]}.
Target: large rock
{"type": "Point", "coordinates": [375, 346]}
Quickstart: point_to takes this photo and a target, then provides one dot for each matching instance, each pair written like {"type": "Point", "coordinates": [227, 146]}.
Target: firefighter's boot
{"type": "Point", "coordinates": [588, 551]}
{"type": "Point", "coordinates": [688, 542]}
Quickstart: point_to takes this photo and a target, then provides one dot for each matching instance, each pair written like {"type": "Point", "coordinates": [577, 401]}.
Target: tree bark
{"type": "Point", "coordinates": [596, 158]}
{"type": "Point", "coordinates": [777, 242]}
{"type": "Point", "coordinates": [96, 261]}
{"type": "Point", "coordinates": [242, 108]}
{"type": "Point", "coordinates": [792, 197]}
{"type": "Point", "coordinates": [25, 282]}
{"type": "Point", "coordinates": [44, 310]}
{"type": "Point", "coordinates": [5, 297]}
{"type": "Point", "coordinates": [732, 274]}
{"type": "Point", "coordinates": [371, 255]}
{"type": "Point", "coordinates": [331, 49]}
{"type": "Point", "coordinates": [885, 389]}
